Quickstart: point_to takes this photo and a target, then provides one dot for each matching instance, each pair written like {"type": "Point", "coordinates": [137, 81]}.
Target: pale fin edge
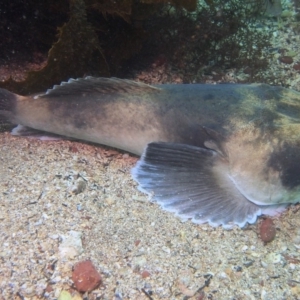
{"type": "Point", "coordinates": [102, 85]}
{"type": "Point", "coordinates": [194, 184]}
{"type": "Point", "coordinates": [29, 132]}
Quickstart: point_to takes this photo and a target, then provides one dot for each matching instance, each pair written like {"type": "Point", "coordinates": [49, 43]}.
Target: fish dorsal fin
{"type": "Point", "coordinates": [194, 183]}
{"type": "Point", "coordinates": [98, 85]}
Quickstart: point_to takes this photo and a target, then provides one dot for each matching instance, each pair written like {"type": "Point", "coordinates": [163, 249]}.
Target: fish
{"type": "Point", "coordinates": [219, 154]}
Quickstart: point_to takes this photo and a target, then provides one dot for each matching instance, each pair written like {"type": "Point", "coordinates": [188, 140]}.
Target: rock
{"type": "Point", "coordinates": [71, 245]}
{"type": "Point", "coordinates": [64, 295]}
{"type": "Point", "coordinates": [286, 59]}
{"type": "Point", "coordinates": [145, 274]}
{"type": "Point", "coordinates": [267, 230]}
{"type": "Point", "coordinates": [295, 290]}
{"type": "Point", "coordinates": [291, 53]}
{"type": "Point", "coordinates": [248, 263]}
{"type": "Point", "coordinates": [78, 187]}
{"type": "Point", "coordinates": [296, 66]}
{"type": "Point", "coordinates": [85, 276]}
{"type": "Point", "coordinates": [49, 288]}
{"type": "Point", "coordinates": [273, 258]}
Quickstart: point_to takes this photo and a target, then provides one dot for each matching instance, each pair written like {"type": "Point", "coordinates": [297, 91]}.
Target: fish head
{"type": "Point", "coordinates": [265, 165]}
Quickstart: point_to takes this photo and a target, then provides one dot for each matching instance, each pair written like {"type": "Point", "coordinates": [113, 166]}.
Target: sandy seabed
{"type": "Point", "coordinates": [66, 201]}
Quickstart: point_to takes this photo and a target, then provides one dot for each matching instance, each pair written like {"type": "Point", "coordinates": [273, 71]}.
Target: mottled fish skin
{"type": "Point", "coordinates": [249, 136]}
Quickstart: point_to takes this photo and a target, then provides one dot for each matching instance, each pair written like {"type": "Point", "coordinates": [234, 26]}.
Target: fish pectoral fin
{"type": "Point", "coordinates": [21, 130]}
{"type": "Point", "coordinates": [215, 141]}
{"type": "Point", "coordinates": [194, 183]}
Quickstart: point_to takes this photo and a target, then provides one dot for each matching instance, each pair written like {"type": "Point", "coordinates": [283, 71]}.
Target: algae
{"type": "Point", "coordinates": [76, 52]}
{"type": "Point", "coordinates": [103, 37]}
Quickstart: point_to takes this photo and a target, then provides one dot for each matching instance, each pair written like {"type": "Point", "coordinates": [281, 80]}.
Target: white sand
{"type": "Point", "coordinates": [123, 233]}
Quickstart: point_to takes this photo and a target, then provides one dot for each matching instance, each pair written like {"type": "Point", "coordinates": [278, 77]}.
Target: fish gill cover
{"type": "Point", "coordinates": [110, 38]}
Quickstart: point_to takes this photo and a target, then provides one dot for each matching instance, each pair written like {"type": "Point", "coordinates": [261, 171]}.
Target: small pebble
{"type": "Point", "coordinates": [295, 291]}
{"type": "Point", "coordinates": [282, 51]}
{"type": "Point", "coordinates": [286, 59]}
{"type": "Point", "coordinates": [267, 230]}
{"type": "Point", "coordinates": [73, 149]}
{"type": "Point", "coordinates": [273, 258]}
{"type": "Point", "coordinates": [64, 295]}
{"type": "Point", "coordinates": [296, 66]}
{"type": "Point", "coordinates": [71, 244]}
{"type": "Point", "coordinates": [78, 187]}
{"type": "Point", "coordinates": [291, 53]}
{"type": "Point", "coordinates": [200, 295]}
{"type": "Point", "coordinates": [49, 288]}
{"type": "Point", "coordinates": [238, 268]}
{"type": "Point", "coordinates": [145, 274]}
{"type": "Point", "coordinates": [85, 276]}
{"type": "Point", "coordinates": [248, 263]}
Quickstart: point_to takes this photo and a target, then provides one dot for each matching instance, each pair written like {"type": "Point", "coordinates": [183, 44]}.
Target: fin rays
{"type": "Point", "coordinates": [99, 85]}
{"type": "Point", "coordinates": [193, 183]}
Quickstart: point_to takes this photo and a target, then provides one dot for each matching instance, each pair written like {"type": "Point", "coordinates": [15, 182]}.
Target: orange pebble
{"type": "Point", "coordinates": [267, 230]}
{"type": "Point", "coordinates": [286, 59]}
{"type": "Point", "coordinates": [85, 276]}
{"type": "Point", "coordinates": [145, 274]}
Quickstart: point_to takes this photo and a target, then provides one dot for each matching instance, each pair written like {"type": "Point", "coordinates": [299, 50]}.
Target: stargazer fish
{"type": "Point", "coordinates": [222, 154]}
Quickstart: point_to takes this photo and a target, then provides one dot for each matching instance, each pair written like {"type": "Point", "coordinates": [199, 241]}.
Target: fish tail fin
{"type": "Point", "coordinates": [8, 102]}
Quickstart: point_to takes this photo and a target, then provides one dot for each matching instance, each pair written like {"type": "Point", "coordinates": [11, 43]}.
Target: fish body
{"type": "Point", "coordinates": [222, 154]}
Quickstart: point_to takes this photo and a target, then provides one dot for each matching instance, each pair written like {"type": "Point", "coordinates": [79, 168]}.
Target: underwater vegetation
{"type": "Point", "coordinates": [215, 35]}
{"type": "Point", "coordinates": [76, 51]}
{"type": "Point", "coordinates": [103, 37]}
